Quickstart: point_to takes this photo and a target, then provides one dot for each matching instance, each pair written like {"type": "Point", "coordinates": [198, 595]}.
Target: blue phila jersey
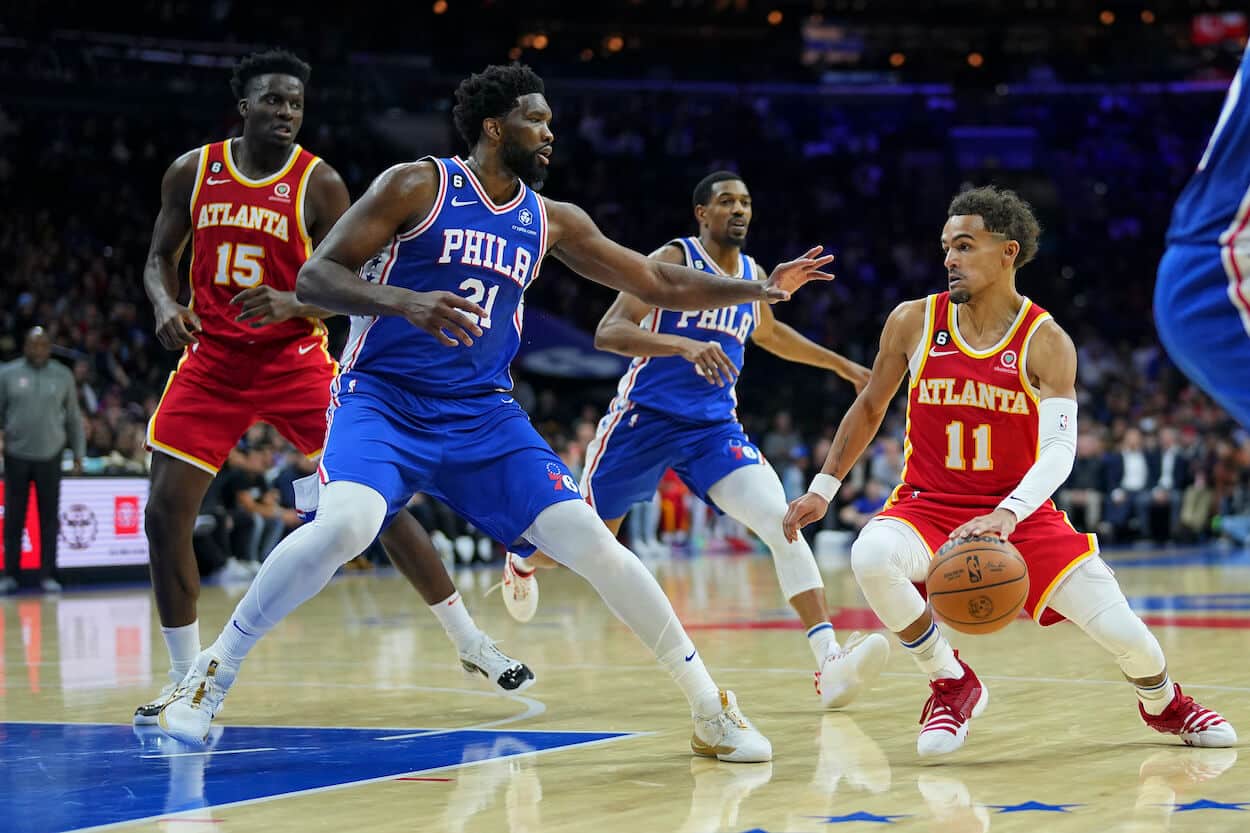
{"type": "Point", "coordinates": [670, 383]}
{"type": "Point", "coordinates": [484, 252]}
{"type": "Point", "coordinates": [1213, 209]}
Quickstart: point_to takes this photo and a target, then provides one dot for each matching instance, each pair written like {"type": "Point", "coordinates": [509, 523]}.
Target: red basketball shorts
{"type": "Point", "coordinates": [216, 393]}
{"type": "Point", "coordinates": [1052, 548]}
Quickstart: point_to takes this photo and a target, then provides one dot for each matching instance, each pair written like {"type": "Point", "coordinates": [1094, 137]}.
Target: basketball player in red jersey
{"type": "Point", "coordinates": [254, 207]}
{"type": "Point", "coordinates": [991, 433]}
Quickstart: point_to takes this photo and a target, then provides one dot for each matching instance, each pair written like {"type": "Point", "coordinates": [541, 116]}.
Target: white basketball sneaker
{"type": "Point", "coordinates": [520, 590]}
{"type": "Point", "coordinates": [729, 736]}
{"type": "Point", "coordinates": [188, 716]}
{"type": "Point", "coordinates": [503, 671]}
{"type": "Point", "coordinates": [846, 671]}
{"type": "Point", "coordinates": [146, 714]}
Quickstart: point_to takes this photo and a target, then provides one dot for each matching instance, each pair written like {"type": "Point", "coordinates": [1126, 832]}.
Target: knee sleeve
{"type": "Point", "coordinates": [1091, 599]}
{"type": "Point", "coordinates": [753, 495]}
{"type": "Point", "coordinates": [1125, 635]}
{"type": "Point", "coordinates": [886, 558]}
{"type": "Point", "coordinates": [349, 516]}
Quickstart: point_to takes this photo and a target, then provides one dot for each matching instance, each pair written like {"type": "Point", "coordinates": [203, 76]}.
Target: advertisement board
{"type": "Point", "coordinates": [101, 524]}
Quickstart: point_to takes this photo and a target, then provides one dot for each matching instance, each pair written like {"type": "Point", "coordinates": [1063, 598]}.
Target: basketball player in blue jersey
{"type": "Point", "coordinates": [446, 248]}
{"type": "Point", "coordinates": [675, 408]}
{"type": "Point", "coordinates": [1202, 294]}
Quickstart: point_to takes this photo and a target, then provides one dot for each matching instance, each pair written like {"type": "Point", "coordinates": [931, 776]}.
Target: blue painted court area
{"type": "Point", "coordinates": [61, 776]}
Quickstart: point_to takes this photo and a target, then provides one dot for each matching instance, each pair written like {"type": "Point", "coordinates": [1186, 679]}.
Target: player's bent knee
{"type": "Point", "coordinates": [873, 554]}
{"type": "Point", "coordinates": [349, 516]}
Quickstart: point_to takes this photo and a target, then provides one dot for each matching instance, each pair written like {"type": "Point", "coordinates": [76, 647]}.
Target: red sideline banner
{"type": "Point", "coordinates": [101, 523]}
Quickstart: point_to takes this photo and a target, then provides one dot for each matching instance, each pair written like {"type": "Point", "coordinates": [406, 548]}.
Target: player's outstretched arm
{"type": "Point", "coordinates": [1051, 366]}
{"type": "Point", "coordinates": [863, 419]}
{"type": "Point", "coordinates": [325, 200]}
{"type": "Point", "coordinates": [578, 242]}
{"type": "Point", "coordinates": [782, 340]}
{"type": "Point", "coordinates": [396, 201]}
{"type": "Point", "coordinates": [176, 325]}
{"type": "Point", "coordinates": [619, 332]}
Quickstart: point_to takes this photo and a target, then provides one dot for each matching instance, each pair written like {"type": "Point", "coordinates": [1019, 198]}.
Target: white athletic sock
{"type": "Point", "coordinates": [1156, 698]}
{"type": "Point", "coordinates": [455, 619]}
{"type": "Point", "coordinates": [183, 643]}
{"type": "Point", "coordinates": [692, 678]}
{"type": "Point", "coordinates": [934, 655]}
{"type": "Point", "coordinates": [822, 640]}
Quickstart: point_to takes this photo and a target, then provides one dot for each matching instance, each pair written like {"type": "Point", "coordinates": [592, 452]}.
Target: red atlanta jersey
{"type": "Point", "coordinates": [972, 420]}
{"type": "Point", "coordinates": [245, 233]}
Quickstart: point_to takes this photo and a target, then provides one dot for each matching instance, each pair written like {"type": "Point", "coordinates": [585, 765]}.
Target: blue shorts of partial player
{"type": "Point", "coordinates": [478, 454]}
{"type": "Point", "coordinates": [1202, 312]}
{"type": "Point", "coordinates": [633, 448]}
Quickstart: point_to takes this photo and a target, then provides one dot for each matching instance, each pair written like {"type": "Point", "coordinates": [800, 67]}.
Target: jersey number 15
{"type": "Point", "coordinates": [241, 264]}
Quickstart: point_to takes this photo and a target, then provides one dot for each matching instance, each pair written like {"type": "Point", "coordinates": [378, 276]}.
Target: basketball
{"type": "Point", "coordinates": [978, 585]}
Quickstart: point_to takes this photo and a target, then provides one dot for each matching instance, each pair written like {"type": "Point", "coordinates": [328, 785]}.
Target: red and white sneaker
{"type": "Point", "coordinates": [520, 590]}
{"type": "Point", "coordinates": [1194, 724]}
{"type": "Point", "coordinates": [944, 721]}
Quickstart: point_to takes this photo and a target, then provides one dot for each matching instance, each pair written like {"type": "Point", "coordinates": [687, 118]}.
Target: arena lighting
{"type": "Point", "coordinates": [1106, 17]}
{"type": "Point", "coordinates": [587, 54]}
{"type": "Point", "coordinates": [440, 6]}
{"type": "Point", "coordinates": [614, 43]}
{"type": "Point", "coordinates": [514, 54]}
{"type": "Point", "coordinates": [897, 59]}
{"type": "Point", "coordinates": [540, 41]}
{"type": "Point", "coordinates": [975, 59]}
{"type": "Point", "coordinates": [774, 17]}
{"type": "Point", "coordinates": [1147, 16]}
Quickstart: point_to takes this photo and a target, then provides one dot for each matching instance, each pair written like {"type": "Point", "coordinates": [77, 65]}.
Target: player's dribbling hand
{"type": "Point", "coordinates": [445, 315]}
{"type": "Point", "coordinates": [176, 326]}
{"type": "Point", "coordinates": [1000, 522]}
{"type": "Point", "coordinates": [802, 511]}
{"type": "Point", "coordinates": [792, 274]}
{"type": "Point", "coordinates": [264, 305]}
{"type": "Point", "coordinates": [710, 362]}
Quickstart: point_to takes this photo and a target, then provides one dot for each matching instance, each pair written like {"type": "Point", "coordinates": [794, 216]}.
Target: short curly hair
{"type": "Point", "coordinates": [266, 63]}
{"type": "Point", "coordinates": [491, 93]}
{"type": "Point", "coordinates": [1003, 212]}
{"type": "Point", "coordinates": [703, 191]}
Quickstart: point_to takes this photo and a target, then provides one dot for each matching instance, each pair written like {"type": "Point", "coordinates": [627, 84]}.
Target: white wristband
{"type": "Point", "coordinates": [825, 485]}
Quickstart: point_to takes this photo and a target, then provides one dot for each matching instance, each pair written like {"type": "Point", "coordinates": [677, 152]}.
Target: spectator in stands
{"type": "Point", "coordinates": [1085, 489]}
{"type": "Point", "coordinates": [1128, 475]}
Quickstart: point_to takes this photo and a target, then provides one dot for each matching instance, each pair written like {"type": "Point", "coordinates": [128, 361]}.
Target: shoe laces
{"type": "Point", "coordinates": [953, 696]}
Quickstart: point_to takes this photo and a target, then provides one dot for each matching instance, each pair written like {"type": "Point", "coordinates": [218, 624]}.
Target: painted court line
{"type": "Point", "coordinates": [208, 752]}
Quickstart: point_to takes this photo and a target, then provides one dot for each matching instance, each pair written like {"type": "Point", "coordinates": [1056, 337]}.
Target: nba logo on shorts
{"type": "Point", "coordinates": [126, 515]}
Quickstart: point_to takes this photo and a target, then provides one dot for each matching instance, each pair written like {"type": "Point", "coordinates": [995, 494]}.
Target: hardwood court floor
{"type": "Point", "coordinates": [600, 743]}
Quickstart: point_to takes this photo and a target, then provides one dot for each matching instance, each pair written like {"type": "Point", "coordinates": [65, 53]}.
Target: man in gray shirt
{"type": "Point", "coordinates": [40, 417]}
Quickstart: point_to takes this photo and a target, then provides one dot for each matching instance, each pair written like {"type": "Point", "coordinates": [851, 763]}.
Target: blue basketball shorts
{"type": "Point", "coordinates": [480, 455]}
{"type": "Point", "coordinates": [633, 448]}
{"type": "Point", "coordinates": [1202, 312]}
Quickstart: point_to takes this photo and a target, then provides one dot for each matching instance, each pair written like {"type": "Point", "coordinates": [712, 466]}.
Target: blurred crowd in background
{"type": "Point", "coordinates": [866, 173]}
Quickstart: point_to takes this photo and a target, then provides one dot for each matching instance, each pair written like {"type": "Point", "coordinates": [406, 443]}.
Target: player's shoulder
{"type": "Point", "coordinates": [670, 252]}
{"type": "Point", "coordinates": [324, 175]}
{"type": "Point", "coordinates": [408, 177]}
{"type": "Point", "coordinates": [1050, 337]}
{"type": "Point", "coordinates": [908, 313]}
